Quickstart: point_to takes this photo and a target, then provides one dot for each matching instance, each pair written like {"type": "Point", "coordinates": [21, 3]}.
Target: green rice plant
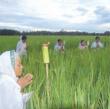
{"type": "Point", "coordinates": [78, 79]}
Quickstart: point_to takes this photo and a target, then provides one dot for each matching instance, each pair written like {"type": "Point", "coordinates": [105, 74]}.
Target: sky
{"type": "Point", "coordinates": [55, 15]}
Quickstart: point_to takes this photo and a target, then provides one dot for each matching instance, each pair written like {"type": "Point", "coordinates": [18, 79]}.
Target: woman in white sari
{"type": "Point", "coordinates": [10, 84]}
{"type": "Point", "coordinates": [21, 47]}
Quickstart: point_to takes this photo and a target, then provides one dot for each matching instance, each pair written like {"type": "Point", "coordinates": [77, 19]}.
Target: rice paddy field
{"type": "Point", "coordinates": [78, 79]}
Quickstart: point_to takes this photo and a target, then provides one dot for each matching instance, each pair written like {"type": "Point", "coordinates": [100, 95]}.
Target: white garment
{"type": "Point", "coordinates": [58, 47]}
{"type": "Point", "coordinates": [20, 37]}
{"type": "Point", "coordinates": [10, 92]}
{"type": "Point", "coordinates": [10, 96]}
{"type": "Point", "coordinates": [21, 48]}
{"type": "Point", "coordinates": [96, 45]}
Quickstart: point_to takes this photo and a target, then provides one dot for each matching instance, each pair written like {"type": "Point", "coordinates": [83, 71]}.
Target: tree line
{"type": "Point", "coordinates": [15, 32]}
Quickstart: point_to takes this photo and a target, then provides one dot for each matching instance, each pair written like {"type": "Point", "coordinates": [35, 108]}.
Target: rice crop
{"type": "Point", "coordinates": [78, 79]}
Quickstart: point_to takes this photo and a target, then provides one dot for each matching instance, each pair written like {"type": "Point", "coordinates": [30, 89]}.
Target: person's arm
{"type": "Point", "coordinates": [101, 45]}
{"type": "Point", "coordinates": [25, 45]}
{"type": "Point", "coordinates": [62, 48]}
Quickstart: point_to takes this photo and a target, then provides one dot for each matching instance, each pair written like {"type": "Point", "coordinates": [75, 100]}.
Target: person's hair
{"type": "Point", "coordinates": [82, 41]}
{"type": "Point", "coordinates": [24, 38]}
{"type": "Point", "coordinates": [97, 37]}
{"type": "Point", "coordinates": [59, 40]}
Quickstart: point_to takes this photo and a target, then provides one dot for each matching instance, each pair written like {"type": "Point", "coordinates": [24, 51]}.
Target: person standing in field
{"type": "Point", "coordinates": [97, 43]}
{"type": "Point", "coordinates": [21, 47]}
{"type": "Point", "coordinates": [83, 44]}
{"type": "Point", "coordinates": [59, 46]}
{"type": "Point", "coordinates": [12, 83]}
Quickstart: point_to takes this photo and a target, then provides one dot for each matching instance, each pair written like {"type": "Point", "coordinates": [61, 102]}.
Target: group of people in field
{"type": "Point", "coordinates": [95, 44]}
{"type": "Point", "coordinates": [21, 47]}
{"type": "Point", "coordinates": [60, 45]}
{"type": "Point", "coordinates": [12, 83]}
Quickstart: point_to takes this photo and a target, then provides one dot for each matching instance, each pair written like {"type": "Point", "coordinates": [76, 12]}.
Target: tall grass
{"type": "Point", "coordinates": [78, 79]}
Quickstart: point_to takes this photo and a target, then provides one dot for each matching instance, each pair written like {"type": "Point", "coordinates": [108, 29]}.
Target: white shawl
{"type": "Point", "coordinates": [10, 92]}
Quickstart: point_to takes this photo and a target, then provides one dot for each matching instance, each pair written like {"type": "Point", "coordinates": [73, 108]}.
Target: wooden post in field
{"type": "Point", "coordinates": [46, 62]}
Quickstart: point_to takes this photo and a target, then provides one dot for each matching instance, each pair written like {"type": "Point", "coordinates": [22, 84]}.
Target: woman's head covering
{"type": "Point", "coordinates": [7, 63]}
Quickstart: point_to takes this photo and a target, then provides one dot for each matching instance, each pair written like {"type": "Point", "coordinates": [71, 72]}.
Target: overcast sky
{"type": "Point", "coordinates": [82, 15]}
